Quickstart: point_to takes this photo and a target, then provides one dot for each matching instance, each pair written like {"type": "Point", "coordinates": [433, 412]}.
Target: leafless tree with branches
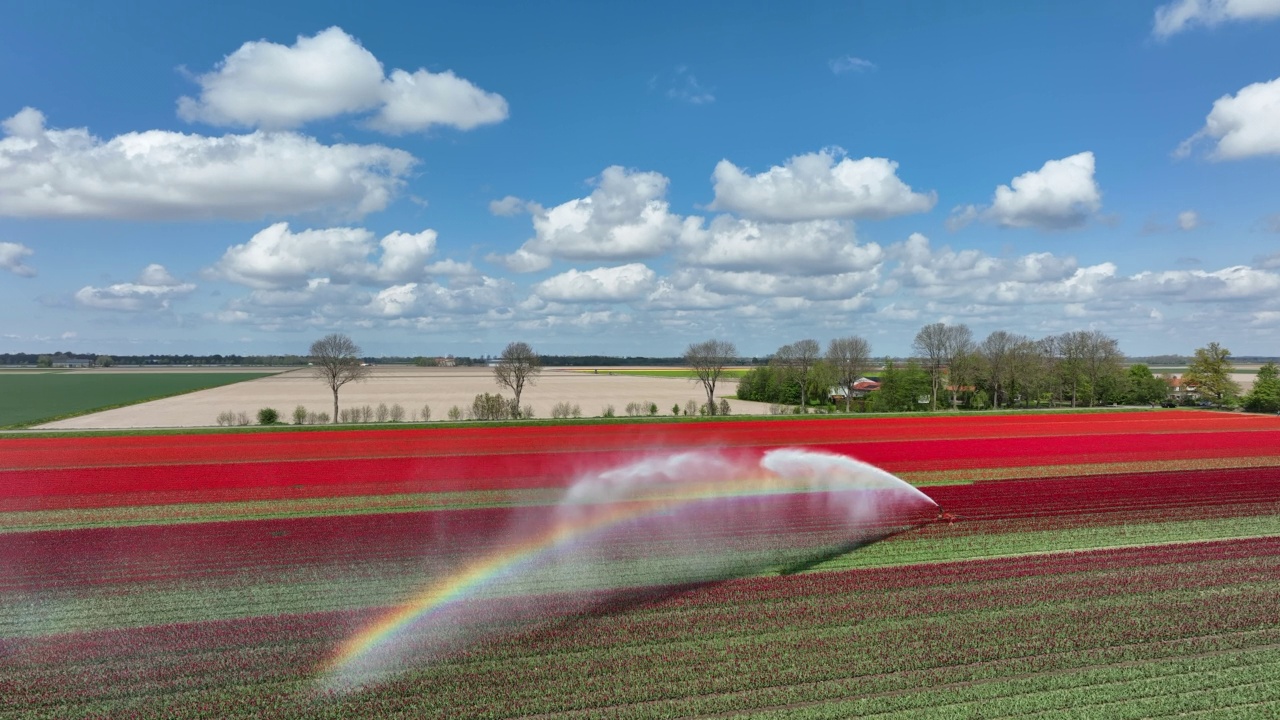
{"type": "Point", "coordinates": [518, 366]}
{"type": "Point", "coordinates": [708, 360]}
{"type": "Point", "coordinates": [336, 360]}
{"type": "Point", "coordinates": [850, 358]}
{"type": "Point", "coordinates": [799, 359]}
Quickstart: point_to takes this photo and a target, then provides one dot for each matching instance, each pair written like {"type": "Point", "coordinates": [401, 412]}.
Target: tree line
{"type": "Point", "coordinates": [951, 369]}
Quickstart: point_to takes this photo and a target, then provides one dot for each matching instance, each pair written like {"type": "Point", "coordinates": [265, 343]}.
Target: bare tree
{"type": "Point", "coordinates": [336, 360]}
{"type": "Point", "coordinates": [930, 346]}
{"type": "Point", "coordinates": [957, 347]}
{"type": "Point", "coordinates": [1025, 369]}
{"type": "Point", "coordinates": [1071, 349]}
{"type": "Point", "coordinates": [708, 360]}
{"type": "Point", "coordinates": [517, 366]}
{"type": "Point", "coordinates": [996, 350]}
{"type": "Point", "coordinates": [799, 359]}
{"type": "Point", "coordinates": [850, 358]}
{"type": "Point", "coordinates": [1103, 364]}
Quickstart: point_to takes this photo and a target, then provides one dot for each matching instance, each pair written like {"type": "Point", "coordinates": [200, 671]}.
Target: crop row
{"type": "Point", "coordinates": [1010, 628]}
{"type": "Point", "coordinates": [30, 453]}
{"type": "Point", "coordinates": [29, 490]}
{"type": "Point", "coordinates": [128, 554]}
{"type": "Point", "coordinates": [151, 553]}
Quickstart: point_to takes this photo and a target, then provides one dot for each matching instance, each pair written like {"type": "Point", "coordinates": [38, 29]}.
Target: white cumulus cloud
{"type": "Point", "coordinates": [817, 247]}
{"type": "Point", "coordinates": [1061, 194]}
{"type": "Point", "coordinates": [153, 290]}
{"type": "Point", "coordinates": [626, 217]}
{"type": "Point", "coordinates": [1188, 220]}
{"type": "Point", "coordinates": [269, 85]}
{"type": "Point", "coordinates": [1175, 17]}
{"type": "Point", "coordinates": [1244, 125]}
{"type": "Point", "coordinates": [166, 175]}
{"type": "Point", "coordinates": [11, 259]}
{"type": "Point", "coordinates": [278, 258]}
{"type": "Point", "coordinates": [821, 185]}
{"type": "Point", "coordinates": [603, 284]}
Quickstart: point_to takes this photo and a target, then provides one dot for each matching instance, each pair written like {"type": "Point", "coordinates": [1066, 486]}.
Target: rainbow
{"type": "Point", "coordinates": [573, 528]}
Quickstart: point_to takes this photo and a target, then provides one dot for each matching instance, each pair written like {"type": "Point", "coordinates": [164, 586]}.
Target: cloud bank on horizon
{"type": "Point", "coordinates": [298, 186]}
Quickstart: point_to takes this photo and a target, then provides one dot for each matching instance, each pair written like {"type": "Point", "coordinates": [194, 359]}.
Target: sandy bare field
{"type": "Point", "coordinates": [412, 387]}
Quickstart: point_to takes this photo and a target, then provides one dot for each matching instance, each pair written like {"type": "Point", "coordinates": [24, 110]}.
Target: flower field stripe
{"type": "Point", "coordinates": [17, 452]}
{"type": "Point", "coordinates": [987, 630]}
{"type": "Point", "coordinates": [51, 489]}
{"type": "Point", "coordinates": [1100, 565]}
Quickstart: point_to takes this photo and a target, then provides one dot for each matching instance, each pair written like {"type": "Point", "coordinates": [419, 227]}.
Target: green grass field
{"type": "Point", "coordinates": [28, 398]}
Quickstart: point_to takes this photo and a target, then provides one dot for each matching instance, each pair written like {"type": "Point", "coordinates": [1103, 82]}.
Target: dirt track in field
{"type": "Point", "coordinates": [411, 387]}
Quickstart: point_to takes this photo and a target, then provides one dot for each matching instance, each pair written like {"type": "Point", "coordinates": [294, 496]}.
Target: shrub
{"type": "Point", "coordinates": [527, 412]}
{"type": "Point", "coordinates": [634, 409]}
{"type": "Point", "coordinates": [724, 407]}
{"type": "Point", "coordinates": [268, 416]}
{"type": "Point", "coordinates": [607, 411]}
{"type": "Point", "coordinates": [347, 415]}
{"type": "Point", "coordinates": [299, 415]}
{"type": "Point", "coordinates": [384, 413]}
{"type": "Point", "coordinates": [366, 414]}
{"type": "Point", "coordinates": [397, 413]}
{"type": "Point", "coordinates": [561, 410]}
{"type": "Point", "coordinates": [777, 409]}
{"type": "Point", "coordinates": [490, 406]}
{"type": "Point", "coordinates": [653, 409]}
{"type": "Point", "coordinates": [675, 409]}
{"type": "Point", "coordinates": [576, 411]}
{"type": "Point", "coordinates": [322, 418]}
{"type": "Point", "coordinates": [425, 414]}
{"type": "Point", "coordinates": [242, 418]}
{"type": "Point", "coordinates": [313, 418]}
{"type": "Point", "coordinates": [226, 418]}
{"type": "Point", "coordinates": [455, 413]}
{"type": "Point", "coordinates": [691, 407]}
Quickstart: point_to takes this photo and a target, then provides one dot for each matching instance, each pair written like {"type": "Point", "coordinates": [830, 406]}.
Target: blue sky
{"type": "Point", "coordinates": [600, 178]}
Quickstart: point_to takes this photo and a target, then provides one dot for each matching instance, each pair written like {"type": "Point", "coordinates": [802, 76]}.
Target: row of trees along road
{"type": "Point", "coordinates": [951, 368]}
{"type": "Point", "coordinates": [1083, 367]}
{"type": "Point", "coordinates": [336, 359]}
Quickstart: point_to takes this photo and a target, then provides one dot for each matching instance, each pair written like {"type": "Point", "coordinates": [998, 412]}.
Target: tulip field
{"type": "Point", "coordinates": [1086, 565]}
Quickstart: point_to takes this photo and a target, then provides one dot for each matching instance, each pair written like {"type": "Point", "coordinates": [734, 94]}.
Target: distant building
{"type": "Point", "coordinates": [861, 388]}
{"type": "Point", "coordinates": [72, 363]}
{"type": "Point", "coordinates": [446, 361]}
{"type": "Point", "coordinates": [1180, 391]}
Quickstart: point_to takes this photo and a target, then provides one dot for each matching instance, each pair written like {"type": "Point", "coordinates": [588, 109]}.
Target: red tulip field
{"type": "Point", "coordinates": [1089, 565]}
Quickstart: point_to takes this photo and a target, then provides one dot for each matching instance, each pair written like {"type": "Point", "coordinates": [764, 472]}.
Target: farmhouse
{"type": "Point", "coordinates": [861, 389]}
{"type": "Point", "coordinates": [1180, 390]}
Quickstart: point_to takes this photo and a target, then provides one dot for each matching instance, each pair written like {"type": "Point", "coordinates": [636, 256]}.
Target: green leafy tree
{"type": "Point", "coordinates": [798, 361]}
{"type": "Point", "coordinates": [1265, 395]}
{"type": "Point", "coordinates": [44, 361]}
{"type": "Point", "coordinates": [1210, 371]}
{"type": "Point", "coordinates": [901, 388]}
{"type": "Point", "coordinates": [1143, 387]}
